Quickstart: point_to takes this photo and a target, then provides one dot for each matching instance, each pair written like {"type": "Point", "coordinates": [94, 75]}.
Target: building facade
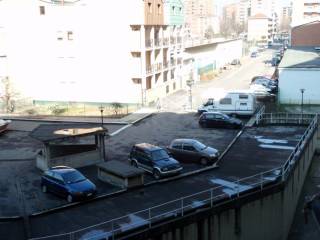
{"type": "Point", "coordinates": [299, 33]}
{"type": "Point", "coordinates": [199, 15]}
{"type": "Point", "coordinates": [75, 52]}
{"type": "Point", "coordinates": [304, 11]}
{"type": "Point", "coordinates": [260, 29]}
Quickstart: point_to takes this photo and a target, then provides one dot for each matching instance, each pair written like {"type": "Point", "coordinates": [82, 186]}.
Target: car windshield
{"type": "Point", "coordinates": [199, 145]}
{"type": "Point", "coordinates": [73, 177]}
{"type": "Point", "coordinates": [159, 155]}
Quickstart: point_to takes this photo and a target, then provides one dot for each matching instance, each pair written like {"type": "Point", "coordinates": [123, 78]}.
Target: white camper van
{"type": "Point", "coordinates": [232, 103]}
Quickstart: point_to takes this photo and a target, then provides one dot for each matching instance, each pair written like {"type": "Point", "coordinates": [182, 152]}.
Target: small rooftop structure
{"type": "Point", "coordinates": [301, 57]}
{"type": "Point", "coordinates": [70, 145]}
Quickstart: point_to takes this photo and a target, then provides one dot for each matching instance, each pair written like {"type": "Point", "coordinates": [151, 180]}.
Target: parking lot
{"type": "Point", "coordinates": [20, 179]}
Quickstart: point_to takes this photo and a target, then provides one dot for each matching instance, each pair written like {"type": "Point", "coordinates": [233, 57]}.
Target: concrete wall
{"type": "Point", "coordinates": [263, 215]}
{"type": "Point", "coordinates": [292, 80]}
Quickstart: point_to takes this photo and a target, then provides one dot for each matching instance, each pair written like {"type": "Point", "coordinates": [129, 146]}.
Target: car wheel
{"type": "Point", "coordinates": [134, 164]}
{"type": "Point", "coordinates": [204, 161]}
{"type": "Point", "coordinates": [156, 174]}
{"type": "Point", "coordinates": [69, 198]}
{"type": "Point", "coordinates": [44, 188]}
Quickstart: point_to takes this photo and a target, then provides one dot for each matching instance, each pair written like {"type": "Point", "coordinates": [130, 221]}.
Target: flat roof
{"type": "Point", "coordinates": [51, 132]}
{"type": "Point", "coordinates": [301, 57]}
{"type": "Point", "coordinates": [266, 147]}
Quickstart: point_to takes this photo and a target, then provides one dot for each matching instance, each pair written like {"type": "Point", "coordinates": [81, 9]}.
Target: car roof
{"type": "Point", "coordinates": [184, 140]}
{"type": "Point", "coordinates": [147, 146]}
{"type": "Point", "coordinates": [62, 169]}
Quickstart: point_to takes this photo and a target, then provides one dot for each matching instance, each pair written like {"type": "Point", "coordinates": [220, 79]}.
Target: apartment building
{"type": "Point", "coordinates": [199, 16]}
{"type": "Point", "coordinates": [304, 11]}
{"type": "Point", "coordinates": [260, 29]}
{"type": "Point", "coordinates": [244, 11]}
{"type": "Point", "coordinates": [157, 48]}
{"type": "Point", "coordinates": [231, 13]}
{"type": "Point", "coordinates": [86, 51]}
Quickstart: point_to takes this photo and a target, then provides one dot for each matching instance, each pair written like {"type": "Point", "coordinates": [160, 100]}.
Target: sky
{"type": "Point", "coordinates": [223, 2]}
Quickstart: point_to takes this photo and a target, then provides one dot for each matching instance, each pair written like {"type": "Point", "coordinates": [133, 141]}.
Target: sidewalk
{"type": "Point", "coordinates": [129, 119]}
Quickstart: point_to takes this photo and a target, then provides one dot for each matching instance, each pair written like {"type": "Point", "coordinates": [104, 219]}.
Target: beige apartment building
{"type": "Point", "coordinates": [156, 48]}
{"type": "Point", "coordinates": [304, 11]}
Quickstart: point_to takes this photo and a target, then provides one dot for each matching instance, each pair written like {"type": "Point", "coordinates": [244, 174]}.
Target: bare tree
{"type": "Point", "coordinates": [116, 107]}
{"type": "Point", "coordinates": [8, 95]}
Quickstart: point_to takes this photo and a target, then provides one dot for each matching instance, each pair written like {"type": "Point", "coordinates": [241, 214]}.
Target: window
{"type": "Point", "coordinates": [167, 89]}
{"type": "Point", "coordinates": [149, 7]}
{"type": "Point", "coordinates": [217, 116]}
{"type": "Point", "coordinates": [189, 148]}
{"type": "Point", "coordinates": [159, 9]}
{"type": "Point", "coordinates": [58, 178]}
{"type": "Point", "coordinates": [226, 101]}
{"type": "Point", "coordinates": [243, 104]}
{"type": "Point", "coordinates": [174, 86]}
{"type": "Point", "coordinates": [242, 96]}
{"type": "Point", "coordinates": [173, 9]}
{"type": "Point", "coordinates": [42, 10]}
{"type": "Point", "coordinates": [60, 35]}
{"type": "Point", "coordinates": [177, 146]}
{"type": "Point", "coordinates": [70, 35]}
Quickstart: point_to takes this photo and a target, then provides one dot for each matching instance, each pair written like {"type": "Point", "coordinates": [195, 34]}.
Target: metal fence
{"type": "Point", "coordinates": [205, 199]}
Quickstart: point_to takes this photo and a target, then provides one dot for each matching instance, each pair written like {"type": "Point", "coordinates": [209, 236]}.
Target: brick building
{"type": "Point", "coordinates": [306, 34]}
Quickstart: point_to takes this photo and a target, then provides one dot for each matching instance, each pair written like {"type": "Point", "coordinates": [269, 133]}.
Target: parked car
{"type": "Point", "coordinates": [236, 62]}
{"type": "Point", "coordinates": [193, 151]}
{"type": "Point", "coordinates": [68, 183]}
{"type": "Point", "coordinates": [268, 83]}
{"type": "Point", "coordinates": [154, 159]}
{"type": "Point", "coordinates": [262, 93]}
{"type": "Point", "coordinates": [217, 120]}
{"type": "Point", "coordinates": [254, 54]}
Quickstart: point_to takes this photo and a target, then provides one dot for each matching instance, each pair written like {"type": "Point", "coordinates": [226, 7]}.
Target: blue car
{"type": "Point", "coordinates": [67, 183]}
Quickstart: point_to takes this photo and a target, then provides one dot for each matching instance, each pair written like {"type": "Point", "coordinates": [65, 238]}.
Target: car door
{"type": "Point", "coordinates": [176, 151]}
{"type": "Point", "coordinates": [58, 185]}
{"type": "Point", "coordinates": [146, 161]}
{"type": "Point", "coordinates": [190, 153]}
{"type": "Point", "coordinates": [219, 120]}
{"type": "Point", "coordinates": [210, 120]}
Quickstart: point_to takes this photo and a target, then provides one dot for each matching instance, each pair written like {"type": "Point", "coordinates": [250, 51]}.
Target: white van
{"type": "Point", "coordinates": [232, 103]}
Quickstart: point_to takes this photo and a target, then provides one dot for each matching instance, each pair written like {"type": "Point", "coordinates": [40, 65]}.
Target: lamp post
{"type": "Point", "coordinates": [190, 82]}
{"type": "Point", "coordinates": [101, 108]}
{"type": "Point", "coordinates": [302, 90]}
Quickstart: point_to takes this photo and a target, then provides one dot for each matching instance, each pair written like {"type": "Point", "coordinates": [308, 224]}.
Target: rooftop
{"type": "Point", "coordinates": [267, 148]}
{"type": "Point", "coordinates": [301, 57]}
{"type": "Point", "coordinates": [51, 132]}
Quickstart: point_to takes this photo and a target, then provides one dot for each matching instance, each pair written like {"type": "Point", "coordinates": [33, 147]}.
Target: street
{"type": "Point", "coordinates": [236, 78]}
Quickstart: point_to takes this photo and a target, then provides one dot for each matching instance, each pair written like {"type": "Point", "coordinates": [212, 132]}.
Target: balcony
{"type": "Point", "coordinates": [172, 40]}
{"type": "Point", "coordinates": [173, 62]}
{"type": "Point", "coordinates": [149, 43]}
{"type": "Point", "coordinates": [157, 67]}
{"type": "Point", "coordinates": [165, 65]}
{"type": "Point", "coordinates": [166, 42]}
{"type": "Point", "coordinates": [157, 42]}
{"type": "Point", "coordinates": [149, 69]}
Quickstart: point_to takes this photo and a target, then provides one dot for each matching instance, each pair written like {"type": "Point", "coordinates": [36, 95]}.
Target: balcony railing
{"type": "Point", "coordinates": [166, 42]}
{"type": "Point", "coordinates": [149, 43]}
{"type": "Point", "coordinates": [157, 67]}
{"type": "Point", "coordinates": [149, 69]}
{"type": "Point", "coordinates": [157, 42]}
{"type": "Point", "coordinates": [166, 65]}
{"type": "Point", "coordinates": [172, 40]}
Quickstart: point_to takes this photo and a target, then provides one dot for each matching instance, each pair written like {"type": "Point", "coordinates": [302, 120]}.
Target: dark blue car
{"type": "Point", "coordinates": [68, 183]}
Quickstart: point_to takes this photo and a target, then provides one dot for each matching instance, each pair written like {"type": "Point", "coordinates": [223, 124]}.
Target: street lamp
{"type": "Point", "coordinates": [101, 108]}
{"type": "Point", "coordinates": [190, 82]}
{"type": "Point", "coordinates": [302, 90]}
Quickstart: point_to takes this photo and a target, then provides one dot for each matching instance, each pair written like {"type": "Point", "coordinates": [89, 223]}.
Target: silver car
{"type": "Point", "coordinates": [193, 151]}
